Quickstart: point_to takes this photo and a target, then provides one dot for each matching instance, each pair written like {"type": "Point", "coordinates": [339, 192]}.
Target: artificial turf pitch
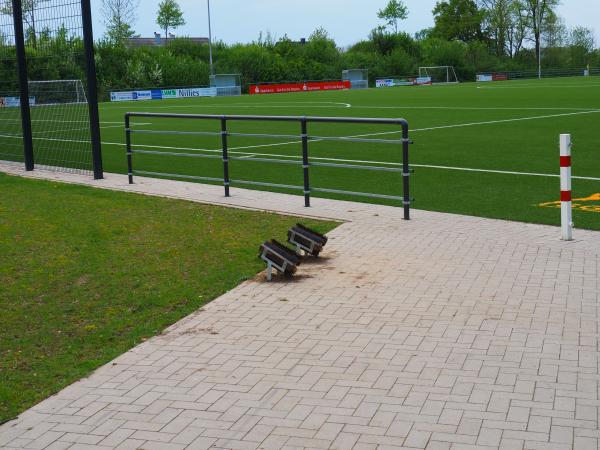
{"type": "Point", "coordinates": [488, 149]}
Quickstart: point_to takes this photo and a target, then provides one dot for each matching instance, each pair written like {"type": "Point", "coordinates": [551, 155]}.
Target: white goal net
{"type": "Point", "coordinates": [439, 74]}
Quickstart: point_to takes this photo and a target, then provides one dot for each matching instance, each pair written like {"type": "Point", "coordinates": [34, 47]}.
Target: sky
{"type": "Point", "coordinates": [347, 21]}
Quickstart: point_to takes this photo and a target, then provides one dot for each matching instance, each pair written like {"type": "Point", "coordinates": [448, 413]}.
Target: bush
{"type": "Point", "coordinates": [185, 63]}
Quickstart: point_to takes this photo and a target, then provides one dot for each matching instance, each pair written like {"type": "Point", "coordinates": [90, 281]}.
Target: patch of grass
{"type": "Point", "coordinates": [87, 274]}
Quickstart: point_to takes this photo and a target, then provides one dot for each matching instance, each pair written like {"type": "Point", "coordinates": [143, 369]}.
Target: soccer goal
{"type": "Point", "coordinates": [439, 74]}
{"type": "Point", "coordinates": [358, 78]}
{"type": "Point", "coordinates": [58, 92]}
{"type": "Point", "coordinates": [227, 84]}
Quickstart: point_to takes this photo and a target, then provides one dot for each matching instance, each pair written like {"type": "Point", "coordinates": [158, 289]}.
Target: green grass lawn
{"type": "Point", "coordinates": [87, 274]}
{"type": "Point", "coordinates": [508, 127]}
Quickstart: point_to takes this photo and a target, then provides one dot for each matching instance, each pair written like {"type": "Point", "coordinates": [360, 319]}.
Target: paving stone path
{"type": "Point", "coordinates": [445, 332]}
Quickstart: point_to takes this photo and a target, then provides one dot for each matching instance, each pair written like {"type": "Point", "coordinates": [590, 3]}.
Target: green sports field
{"type": "Point", "coordinates": [487, 149]}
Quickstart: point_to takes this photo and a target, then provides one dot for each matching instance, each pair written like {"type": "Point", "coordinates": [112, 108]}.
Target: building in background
{"type": "Point", "coordinates": [159, 41]}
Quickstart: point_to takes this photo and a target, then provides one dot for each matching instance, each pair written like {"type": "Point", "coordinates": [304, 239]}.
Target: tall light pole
{"type": "Point", "coordinates": [210, 41]}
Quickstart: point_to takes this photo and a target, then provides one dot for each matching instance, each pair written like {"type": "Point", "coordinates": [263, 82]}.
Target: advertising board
{"type": "Point", "coordinates": [299, 87]}
{"type": "Point", "coordinates": [161, 94]}
{"type": "Point", "coordinates": [14, 102]}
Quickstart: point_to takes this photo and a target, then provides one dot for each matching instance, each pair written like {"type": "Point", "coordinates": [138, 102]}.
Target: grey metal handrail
{"type": "Point", "coordinates": [304, 140]}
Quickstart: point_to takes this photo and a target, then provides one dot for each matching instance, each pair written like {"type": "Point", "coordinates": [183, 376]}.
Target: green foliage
{"type": "Point", "coordinates": [182, 62]}
{"type": "Point", "coordinates": [169, 16]}
{"type": "Point", "coordinates": [119, 16]}
{"type": "Point", "coordinates": [458, 20]}
{"type": "Point", "coordinates": [394, 12]}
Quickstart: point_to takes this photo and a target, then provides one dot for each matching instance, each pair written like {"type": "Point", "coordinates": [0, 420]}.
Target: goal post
{"type": "Point", "coordinates": [439, 74]}
{"type": "Point", "coordinates": [358, 78]}
{"type": "Point", "coordinates": [57, 92]}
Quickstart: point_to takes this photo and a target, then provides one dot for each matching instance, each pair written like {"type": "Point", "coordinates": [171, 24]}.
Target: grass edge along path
{"type": "Point", "coordinates": [87, 274]}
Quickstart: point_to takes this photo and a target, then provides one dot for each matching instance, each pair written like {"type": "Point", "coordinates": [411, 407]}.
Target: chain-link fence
{"type": "Point", "coordinates": [54, 42]}
{"type": "Point", "coordinates": [11, 135]}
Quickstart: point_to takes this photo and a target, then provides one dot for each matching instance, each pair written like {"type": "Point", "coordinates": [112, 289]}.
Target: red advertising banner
{"type": "Point", "coordinates": [299, 87]}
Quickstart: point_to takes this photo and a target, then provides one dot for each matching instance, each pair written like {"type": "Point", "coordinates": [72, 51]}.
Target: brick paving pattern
{"type": "Point", "coordinates": [446, 332]}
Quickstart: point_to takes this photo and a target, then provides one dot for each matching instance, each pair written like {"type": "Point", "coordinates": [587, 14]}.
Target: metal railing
{"type": "Point", "coordinates": [304, 140]}
{"type": "Point", "coordinates": [546, 73]}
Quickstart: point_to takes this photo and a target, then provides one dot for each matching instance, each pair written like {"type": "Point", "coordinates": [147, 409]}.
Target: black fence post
{"type": "Point", "coordinates": [305, 162]}
{"type": "Point", "coordinates": [405, 171]}
{"type": "Point", "coordinates": [128, 147]}
{"type": "Point", "coordinates": [90, 63]}
{"type": "Point", "coordinates": [23, 85]}
{"type": "Point", "coordinates": [226, 181]}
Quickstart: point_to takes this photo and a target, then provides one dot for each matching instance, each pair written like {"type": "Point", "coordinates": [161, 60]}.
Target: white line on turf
{"type": "Point", "coordinates": [76, 121]}
{"type": "Point", "coordinates": [477, 108]}
{"type": "Point", "coordinates": [234, 105]}
{"type": "Point", "coordinates": [250, 155]}
{"type": "Point", "coordinates": [442, 127]}
{"type": "Point", "coordinates": [487, 122]}
{"type": "Point", "coordinates": [542, 86]}
{"type": "Point", "coordinates": [384, 163]}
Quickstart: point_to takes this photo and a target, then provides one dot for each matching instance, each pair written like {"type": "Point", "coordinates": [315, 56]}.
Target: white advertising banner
{"type": "Point", "coordinates": [161, 94]}
{"type": "Point", "coordinates": [197, 92]}
{"type": "Point", "coordinates": [14, 102]}
{"type": "Point", "coordinates": [388, 82]}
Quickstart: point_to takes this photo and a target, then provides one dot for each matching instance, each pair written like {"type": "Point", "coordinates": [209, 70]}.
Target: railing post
{"type": "Point", "coordinates": [405, 171]}
{"type": "Point", "coordinates": [305, 162]}
{"type": "Point", "coordinates": [88, 42]}
{"type": "Point", "coordinates": [129, 150]}
{"type": "Point", "coordinates": [226, 181]}
{"type": "Point", "coordinates": [23, 85]}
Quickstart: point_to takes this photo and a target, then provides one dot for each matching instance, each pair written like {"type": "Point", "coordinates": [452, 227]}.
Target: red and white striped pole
{"type": "Point", "coordinates": [566, 207]}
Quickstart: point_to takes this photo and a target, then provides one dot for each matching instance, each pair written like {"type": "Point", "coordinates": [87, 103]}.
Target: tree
{"type": "Point", "coordinates": [169, 16]}
{"type": "Point", "coordinates": [119, 16]}
{"type": "Point", "coordinates": [539, 13]}
{"type": "Point", "coordinates": [29, 8]}
{"type": "Point", "coordinates": [518, 31]}
{"type": "Point", "coordinates": [582, 37]}
{"type": "Point", "coordinates": [497, 21]}
{"type": "Point", "coordinates": [394, 12]}
{"type": "Point", "coordinates": [506, 22]}
{"type": "Point", "coordinates": [458, 20]}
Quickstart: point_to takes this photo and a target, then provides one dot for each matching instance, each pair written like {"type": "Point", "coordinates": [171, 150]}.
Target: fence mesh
{"type": "Point", "coordinates": [56, 71]}
{"type": "Point", "coordinates": [11, 136]}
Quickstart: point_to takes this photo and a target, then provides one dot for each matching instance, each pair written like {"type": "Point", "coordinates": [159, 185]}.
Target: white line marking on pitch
{"type": "Point", "coordinates": [533, 86]}
{"type": "Point", "coordinates": [85, 128]}
{"type": "Point", "coordinates": [363, 135]}
{"type": "Point", "coordinates": [487, 122]}
{"type": "Point", "coordinates": [477, 108]}
{"type": "Point", "coordinates": [234, 105]}
{"type": "Point", "coordinates": [280, 144]}
{"type": "Point", "coordinates": [385, 163]}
